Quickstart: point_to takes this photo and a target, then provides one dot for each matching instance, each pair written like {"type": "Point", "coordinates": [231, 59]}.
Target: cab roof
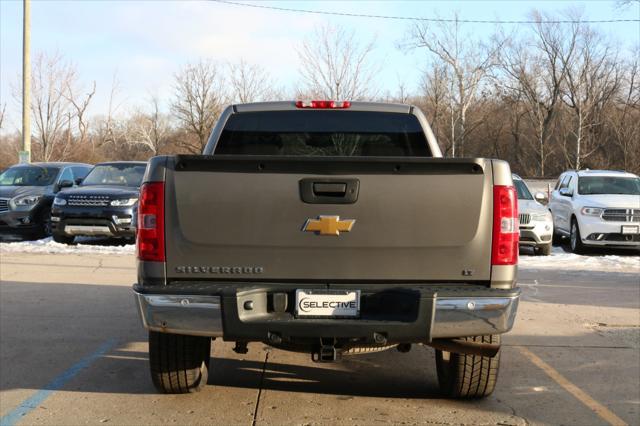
{"type": "Point", "coordinates": [291, 106]}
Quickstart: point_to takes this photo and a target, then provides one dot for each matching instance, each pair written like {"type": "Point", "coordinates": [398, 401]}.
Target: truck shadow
{"type": "Point", "coordinates": [362, 375]}
{"type": "Point", "coordinates": [125, 371]}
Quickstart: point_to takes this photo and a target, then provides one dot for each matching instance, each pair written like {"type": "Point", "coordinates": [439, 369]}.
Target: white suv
{"type": "Point", "coordinates": [597, 208]}
{"type": "Point", "coordinates": [536, 224]}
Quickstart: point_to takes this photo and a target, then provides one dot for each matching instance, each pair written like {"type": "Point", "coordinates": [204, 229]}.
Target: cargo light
{"type": "Point", "coordinates": [150, 228]}
{"type": "Point", "coordinates": [506, 236]}
{"type": "Point", "coordinates": [323, 104]}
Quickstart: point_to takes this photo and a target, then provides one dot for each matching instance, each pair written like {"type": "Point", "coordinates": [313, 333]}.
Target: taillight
{"type": "Point", "coordinates": [150, 230]}
{"type": "Point", "coordinates": [506, 236]}
{"type": "Point", "coordinates": [323, 104]}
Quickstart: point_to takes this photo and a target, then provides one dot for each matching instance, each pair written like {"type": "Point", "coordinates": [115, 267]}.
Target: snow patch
{"type": "Point", "coordinates": [84, 246]}
{"type": "Point", "coordinates": [561, 260]}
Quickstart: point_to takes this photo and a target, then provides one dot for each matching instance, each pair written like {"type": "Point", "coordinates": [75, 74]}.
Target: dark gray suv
{"type": "Point", "coordinates": [104, 204]}
{"type": "Point", "coordinates": [27, 192]}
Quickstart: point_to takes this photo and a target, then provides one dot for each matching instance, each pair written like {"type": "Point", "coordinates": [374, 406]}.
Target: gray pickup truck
{"type": "Point", "coordinates": [331, 228]}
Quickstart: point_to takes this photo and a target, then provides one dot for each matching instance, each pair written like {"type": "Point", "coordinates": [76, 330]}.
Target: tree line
{"type": "Point", "coordinates": [548, 97]}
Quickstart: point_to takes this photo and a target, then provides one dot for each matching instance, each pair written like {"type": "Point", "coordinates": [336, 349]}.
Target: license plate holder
{"type": "Point", "coordinates": [630, 229]}
{"type": "Point", "coordinates": [327, 303]}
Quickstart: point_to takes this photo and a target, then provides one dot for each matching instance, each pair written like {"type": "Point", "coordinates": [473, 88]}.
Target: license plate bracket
{"type": "Point", "coordinates": [327, 303]}
{"type": "Point", "coordinates": [630, 229]}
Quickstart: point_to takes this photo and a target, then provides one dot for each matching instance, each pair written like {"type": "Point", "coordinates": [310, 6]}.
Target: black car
{"type": "Point", "coordinates": [104, 204]}
{"type": "Point", "coordinates": [27, 192]}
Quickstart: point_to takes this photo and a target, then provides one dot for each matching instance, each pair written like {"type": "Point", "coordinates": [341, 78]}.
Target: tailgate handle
{"type": "Point", "coordinates": [329, 190]}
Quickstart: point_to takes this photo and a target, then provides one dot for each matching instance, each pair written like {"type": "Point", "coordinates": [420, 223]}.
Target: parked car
{"type": "Point", "coordinates": [536, 223]}
{"type": "Point", "coordinates": [599, 208]}
{"type": "Point", "coordinates": [330, 228]}
{"type": "Point", "coordinates": [104, 204]}
{"type": "Point", "coordinates": [27, 192]}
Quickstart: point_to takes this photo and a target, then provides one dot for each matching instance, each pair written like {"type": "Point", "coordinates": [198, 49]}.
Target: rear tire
{"type": "Point", "coordinates": [468, 376]}
{"type": "Point", "coordinates": [178, 363]}
{"type": "Point", "coordinates": [544, 249]}
{"type": "Point", "coordinates": [63, 239]}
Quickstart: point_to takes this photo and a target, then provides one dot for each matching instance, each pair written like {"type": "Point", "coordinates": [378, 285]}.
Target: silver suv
{"type": "Point", "coordinates": [597, 208]}
{"type": "Point", "coordinates": [536, 224]}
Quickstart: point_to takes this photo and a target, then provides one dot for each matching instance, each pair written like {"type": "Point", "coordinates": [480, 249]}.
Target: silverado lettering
{"type": "Point", "coordinates": [219, 269]}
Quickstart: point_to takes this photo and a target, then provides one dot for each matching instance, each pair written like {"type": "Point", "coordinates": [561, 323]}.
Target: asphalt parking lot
{"type": "Point", "coordinates": [72, 351]}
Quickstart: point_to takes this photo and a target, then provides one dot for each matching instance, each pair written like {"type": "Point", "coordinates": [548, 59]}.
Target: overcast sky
{"type": "Point", "coordinates": [146, 42]}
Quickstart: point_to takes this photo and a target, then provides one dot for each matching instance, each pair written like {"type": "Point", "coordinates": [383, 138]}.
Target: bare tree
{"type": "Point", "coordinates": [107, 128]}
{"type": "Point", "coordinates": [198, 102]}
{"type": "Point", "coordinates": [250, 83]}
{"type": "Point", "coordinates": [51, 109]}
{"type": "Point", "coordinates": [435, 86]}
{"type": "Point", "coordinates": [402, 93]}
{"type": "Point", "coordinates": [334, 65]}
{"type": "Point", "coordinates": [3, 114]}
{"type": "Point", "coordinates": [493, 124]}
{"type": "Point", "coordinates": [537, 69]}
{"type": "Point", "coordinates": [469, 63]}
{"type": "Point", "coordinates": [624, 117]}
{"type": "Point", "coordinates": [10, 146]}
{"type": "Point", "coordinates": [516, 106]}
{"type": "Point", "coordinates": [80, 105]}
{"type": "Point", "coordinates": [150, 129]}
{"type": "Point", "coordinates": [624, 4]}
{"type": "Point", "coordinates": [592, 80]}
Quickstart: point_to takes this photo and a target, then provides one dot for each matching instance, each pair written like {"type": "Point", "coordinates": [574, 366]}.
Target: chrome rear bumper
{"type": "Point", "coordinates": [465, 316]}
{"type": "Point", "coordinates": [192, 315]}
{"type": "Point", "coordinates": [200, 315]}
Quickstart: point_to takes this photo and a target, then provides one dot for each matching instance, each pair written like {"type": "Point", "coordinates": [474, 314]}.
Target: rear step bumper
{"type": "Point", "coordinates": [432, 314]}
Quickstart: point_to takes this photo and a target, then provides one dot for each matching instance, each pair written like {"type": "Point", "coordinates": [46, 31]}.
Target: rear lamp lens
{"type": "Point", "coordinates": [317, 104]}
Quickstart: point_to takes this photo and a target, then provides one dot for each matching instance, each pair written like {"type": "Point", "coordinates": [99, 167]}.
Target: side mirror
{"type": "Point", "coordinates": [64, 184]}
{"type": "Point", "coordinates": [540, 197]}
{"type": "Point", "coordinates": [79, 181]}
{"type": "Point", "coordinates": [566, 192]}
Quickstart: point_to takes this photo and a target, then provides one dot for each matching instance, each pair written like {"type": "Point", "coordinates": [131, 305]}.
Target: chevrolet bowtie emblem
{"type": "Point", "coordinates": [328, 225]}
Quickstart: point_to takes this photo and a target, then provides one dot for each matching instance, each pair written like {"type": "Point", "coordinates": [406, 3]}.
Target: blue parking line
{"type": "Point", "coordinates": [37, 398]}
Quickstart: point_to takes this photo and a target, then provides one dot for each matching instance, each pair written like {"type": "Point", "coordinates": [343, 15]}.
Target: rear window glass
{"type": "Point", "coordinates": [323, 133]}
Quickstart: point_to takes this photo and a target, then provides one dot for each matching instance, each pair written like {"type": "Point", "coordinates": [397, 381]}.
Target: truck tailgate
{"type": "Point", "coordinates": [417, 219]}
